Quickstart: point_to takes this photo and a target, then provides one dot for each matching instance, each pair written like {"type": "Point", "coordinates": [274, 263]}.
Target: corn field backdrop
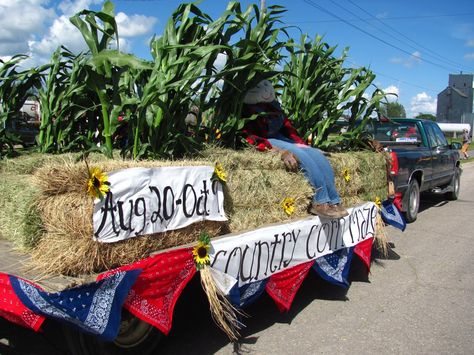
{"type": "Point", "coordinates": [105, 99]}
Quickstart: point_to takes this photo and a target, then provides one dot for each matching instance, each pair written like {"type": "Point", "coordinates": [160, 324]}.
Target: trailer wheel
{"type": "Point", "coordinates": [135, 337]}
{"type": "Point", "coordinates": [455, 184]}
{"type": "Point", "coordinates": [413, 201]}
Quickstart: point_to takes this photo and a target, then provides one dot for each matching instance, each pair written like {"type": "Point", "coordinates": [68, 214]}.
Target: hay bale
{"type": "Point", "coordinates": [19, 219]}
{"type": "Point", "coordinates": [368, 176]}
{"type": "Point", "coordinates": [257, 184]}
{"type": "Point", "coordinates": [74, 255]}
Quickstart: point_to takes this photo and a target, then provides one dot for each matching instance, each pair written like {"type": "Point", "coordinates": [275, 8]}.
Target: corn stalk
{"type": "Point", "coordinates": [98, 30]}
{"type": "Point", "coordinates": [65, 103]}
{"type": "Point", "coordinates": [16, 86]}
{"type": "Point", "coordinates": [250, 59]}
{"type": "Point", "coordinates": [320, 90]}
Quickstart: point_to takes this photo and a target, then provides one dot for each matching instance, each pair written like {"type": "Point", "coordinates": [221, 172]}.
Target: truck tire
{"type": "Point", "coordinates": [455, 185]}
{"type": "Point", "coordinates": [135, 337]}
{"type": "Point", "coordinates": [413, 199]}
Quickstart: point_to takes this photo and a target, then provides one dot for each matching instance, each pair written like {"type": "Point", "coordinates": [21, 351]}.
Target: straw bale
{"type": "Point", "coordinates": [368, 176]}
{"type": "Point", "coordinates": [20, 221]}
{"type": "Point", "coordinates": [69, 175]}
{"type": "Point", "coordinates": [257, 183]}
{"type": "Point", "coordinates": [74, 255]}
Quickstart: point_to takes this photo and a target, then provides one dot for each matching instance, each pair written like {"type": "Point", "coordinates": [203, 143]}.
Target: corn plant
{"type": "Point", "coordinates": [251, 58]}
{"type": "Point", "coordinates": [183, 66]}
{"type": "Point", "coordinates": [320, 89]}
{"type": "Point", "coordinates": [66, 122]}
{"type": "Point", "coordinates": [310, 95]}
{"type": "Point", "coordinates": [16, 87]}
{"type": "Point", "coordinates": [98, 30]}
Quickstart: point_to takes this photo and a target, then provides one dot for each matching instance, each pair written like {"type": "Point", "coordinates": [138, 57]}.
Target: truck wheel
{"type": "Point", "coordinates": [455, 184]}
{"type": "Point", "coordinates": [413, 201]}
{"type": "Point", "coordinates": [135, 337]}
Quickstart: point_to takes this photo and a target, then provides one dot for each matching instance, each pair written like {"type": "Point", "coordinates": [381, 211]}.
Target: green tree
{"type": "Point", "coordinates": [393, 110]}
{"type": "Point", "coordinates": [426, 116]}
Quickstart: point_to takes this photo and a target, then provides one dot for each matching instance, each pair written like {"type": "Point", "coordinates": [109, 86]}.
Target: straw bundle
{"type": "Point", "coordinates": [257, 184]}
{"type": "Point", "coordinates": [224, 314]}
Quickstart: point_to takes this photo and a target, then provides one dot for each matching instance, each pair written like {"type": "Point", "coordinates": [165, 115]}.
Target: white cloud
{"type": "Point", "coordinates": [70, 8]}
{"type": "Point", "coordinates": [469, 56]}
{"type": "Point", "coordinates": [61, 32]}
{"type": "Point", "coordinates": [134, 25]}
{"type": "Point", "coordinates": [38, 27]}
{"type": "Point", "coordinates": [20, 22]}
{"type": "Point", "coordinates": [422, 103]}
{"type": "Point", "coordinates": [470, 42]}
{"type": "Point", "coordinates": [393, 91]}
{"type": "Point", "coordinates": [410, 61]}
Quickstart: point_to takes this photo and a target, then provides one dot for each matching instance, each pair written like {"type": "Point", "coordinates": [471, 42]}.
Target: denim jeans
{"type": "Point", "coordinates": [316, 168]}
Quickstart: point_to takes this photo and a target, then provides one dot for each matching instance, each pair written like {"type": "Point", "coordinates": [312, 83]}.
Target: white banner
{"type": "Point", "coordinates": [260, 253]}
{"type": "Point", "coordinates": [144, 201]}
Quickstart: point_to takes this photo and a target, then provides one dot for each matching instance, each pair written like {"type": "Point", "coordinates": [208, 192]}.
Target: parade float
{"type": "Point", "coordinates": [186, 198]}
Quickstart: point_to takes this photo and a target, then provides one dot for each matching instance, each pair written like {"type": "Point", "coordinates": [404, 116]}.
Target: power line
{"type": "Point", "coordinates": [309, 2]}
{"type": "Point", "coordinates": [418, 17]}
{"type": "Point", "coordinates": [433, 91]}
{"type": "Point", "coordinates": [391, 35]}
{"type": "Point", "coordinates": [439, 57]}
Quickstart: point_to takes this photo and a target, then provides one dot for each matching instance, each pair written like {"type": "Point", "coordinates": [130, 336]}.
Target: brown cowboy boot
{"type": "Point", "coordinates": [323, 210]}
{"type": "Point", "coordinates": [339, 210]}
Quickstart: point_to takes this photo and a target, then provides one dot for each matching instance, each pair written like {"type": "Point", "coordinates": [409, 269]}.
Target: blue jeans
{"type": "Point", "coordinates": [316, 168]}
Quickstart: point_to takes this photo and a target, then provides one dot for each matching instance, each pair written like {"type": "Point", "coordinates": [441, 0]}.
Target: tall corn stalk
{"type": "Point", "coordinates": [183, 60]}
{"type": "Point", "coordinates": [250, 59]}
{"type": "Point", "coordinates": [65, 102]}
{"type": "Point", "coordinates": [15, 88]}
{"type": "Point", "coordinates": [98, 30]}
{"type": "Point", "coordinates": [320, 89]}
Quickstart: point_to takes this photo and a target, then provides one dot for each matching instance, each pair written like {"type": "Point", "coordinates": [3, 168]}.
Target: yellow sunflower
{"type": "Point", "coordinates": [346, 175]}
{"type": "Point", "coordinates": [201, 254]}
{"type": "Point", "coordinates": [378, 202]}
{"type": "Point", "coordinates": [97, 185]}
{"type": "Point", "coordinates": [288, 205]}
{"type": "Point", "coordinates": [219, 172]}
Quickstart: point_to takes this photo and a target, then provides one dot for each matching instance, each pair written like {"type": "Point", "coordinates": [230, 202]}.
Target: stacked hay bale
{"type": "Point", "coordinates": [256, 186]}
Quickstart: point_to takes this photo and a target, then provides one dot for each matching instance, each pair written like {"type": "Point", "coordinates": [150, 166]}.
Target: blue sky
{"type": "Point", "coordinates": [412, 46]}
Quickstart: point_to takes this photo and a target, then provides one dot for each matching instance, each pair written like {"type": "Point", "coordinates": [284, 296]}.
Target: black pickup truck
{"type": "Point", "coordinates": [421, 160]}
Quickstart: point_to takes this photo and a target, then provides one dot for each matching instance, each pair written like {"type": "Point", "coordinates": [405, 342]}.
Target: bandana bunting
{"type": "Point", "coordinates": [93, 308]}
{"type": "Point", "coordinates": [335, 267]}
{"type": "Point", "coordinates": [391, 215]}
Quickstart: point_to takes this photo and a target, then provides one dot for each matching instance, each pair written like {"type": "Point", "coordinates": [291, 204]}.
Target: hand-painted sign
{"type": "Point", "coordinates": [258, 254]}
{"type": "Point", "coordinates": [144, 201]}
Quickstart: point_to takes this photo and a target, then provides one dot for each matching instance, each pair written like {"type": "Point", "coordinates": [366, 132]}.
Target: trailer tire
{"type": "Point", "coordinates": [413, 199]}
{"type": "Point", "coordinates": [135, 337]}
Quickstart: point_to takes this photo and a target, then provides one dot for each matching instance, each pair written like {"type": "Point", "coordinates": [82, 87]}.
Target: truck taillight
{"type": "Point", "coordinates": [394, 164]}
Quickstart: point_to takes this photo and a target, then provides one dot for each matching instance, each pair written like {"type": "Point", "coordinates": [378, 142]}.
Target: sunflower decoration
{"type": "Point", "coordinates": [288, 205]}
{"type": "Point", "coordinates": [219, 173]}
{"type": "Point", "coordinates": [378, 202]}
{"type": "Point", "coordinates": [346, 175]}
{"type": "Point", "coordinates": [201, 251]}
{"type": "Point", "coordinates": [97, 184]}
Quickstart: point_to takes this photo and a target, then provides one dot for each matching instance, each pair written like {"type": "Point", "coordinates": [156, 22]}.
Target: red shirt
{"type": "Point", "coordinates": [256, 132]}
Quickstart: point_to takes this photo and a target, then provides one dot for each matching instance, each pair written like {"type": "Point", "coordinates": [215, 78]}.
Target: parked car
{"type": "Point", "coordinates": [421, 160]}
{"type": "Point", "coordinates": [25, 126]}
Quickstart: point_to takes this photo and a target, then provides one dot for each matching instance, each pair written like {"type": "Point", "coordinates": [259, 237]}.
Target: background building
{"type": "Point", "coordinates": [455, 103]}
